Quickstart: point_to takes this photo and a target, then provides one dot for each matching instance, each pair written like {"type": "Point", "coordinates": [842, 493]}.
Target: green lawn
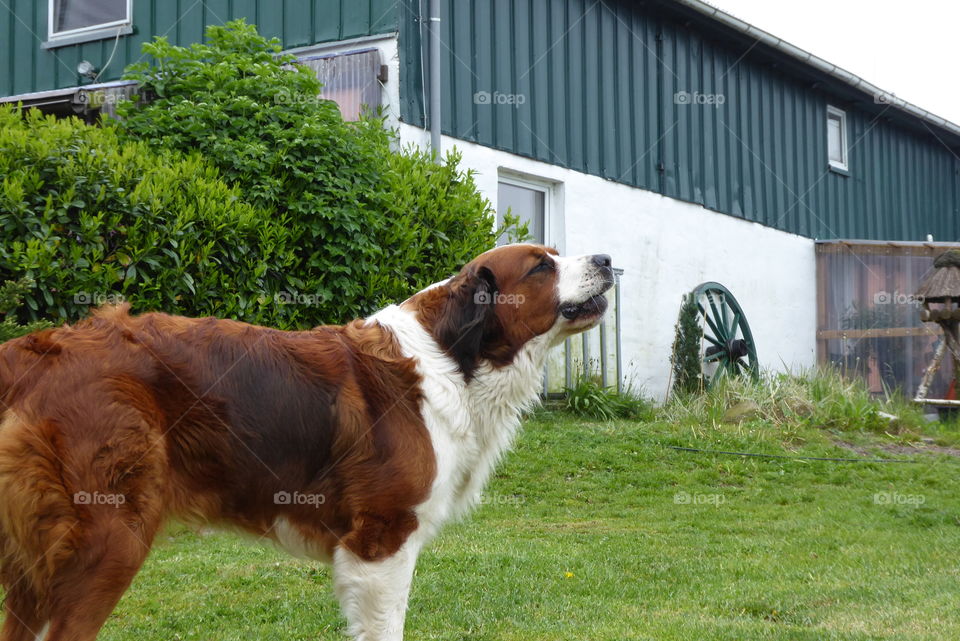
{"type": "Point", "coordinates": [584, 534]}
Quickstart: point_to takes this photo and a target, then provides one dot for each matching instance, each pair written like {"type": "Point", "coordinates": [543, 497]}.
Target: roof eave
{"type": "Point", "coordinates": [850, 79]}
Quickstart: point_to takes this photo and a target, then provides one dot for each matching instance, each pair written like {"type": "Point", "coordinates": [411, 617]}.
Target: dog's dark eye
{"type": "Point", "coordinates": [542, 267]}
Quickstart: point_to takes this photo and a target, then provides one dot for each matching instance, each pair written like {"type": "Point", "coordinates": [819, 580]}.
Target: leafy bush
{"type": "Point", "coordinates": [590, 399]}
{"type": "Point", "coordinates": [368, 225]}
{"type": "Point", "coordinates": [437, 222]}
{"type": "Point", "coordinates": [11, 293]}
{"type": "Point", "coordinates": [91, 219]}
{"type": "Point", "coordinates": [321, 212]}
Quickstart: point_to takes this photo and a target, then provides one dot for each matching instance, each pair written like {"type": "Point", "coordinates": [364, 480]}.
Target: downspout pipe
{"type": "Point", "coordinates": [435, 106]}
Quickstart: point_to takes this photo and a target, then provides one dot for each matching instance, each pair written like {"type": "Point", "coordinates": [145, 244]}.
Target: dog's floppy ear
{"type": "Point", "coordinates": [467, 317]}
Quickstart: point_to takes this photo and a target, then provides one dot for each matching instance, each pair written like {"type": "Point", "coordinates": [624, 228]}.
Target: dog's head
{"type": "Point", "coordinates": [509, 296]}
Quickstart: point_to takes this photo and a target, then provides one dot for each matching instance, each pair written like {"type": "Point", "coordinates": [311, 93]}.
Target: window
{"type": "Point", "coordinates": [76, 17]}
{"type": "Point", "coordinates": [837, 138]}
{"type": "Point", "coordinates": [352, 80]}
{"type": "Point", "coordinates": [528, 202]}
{"type": "Point", "coordinates": [536, 201]}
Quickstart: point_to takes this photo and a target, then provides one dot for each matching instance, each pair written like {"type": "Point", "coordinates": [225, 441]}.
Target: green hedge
{"type": "Point", "coordinates": [233, 192]}
{"type": "Point", "coordinates": [91, 219]}
{"type": "Point", "coordinates": [11, 297]}
{"type": "Point", "coordinates": [369, 224]}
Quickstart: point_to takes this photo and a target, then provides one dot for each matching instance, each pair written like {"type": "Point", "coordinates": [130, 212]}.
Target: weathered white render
{"type": "Point", "coordinates": [665, 248]}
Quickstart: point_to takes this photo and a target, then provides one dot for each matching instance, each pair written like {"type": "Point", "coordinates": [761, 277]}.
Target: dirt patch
{"type": "Point", "coordinates": [924, 446]}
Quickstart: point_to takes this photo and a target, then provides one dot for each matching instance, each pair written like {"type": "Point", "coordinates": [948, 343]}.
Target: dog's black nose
{"type": "Point", "coordinates": [601, 260]}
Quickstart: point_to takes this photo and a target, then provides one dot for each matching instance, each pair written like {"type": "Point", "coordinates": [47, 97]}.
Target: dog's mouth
{"type": "Point", "coordinates": [589, 310]}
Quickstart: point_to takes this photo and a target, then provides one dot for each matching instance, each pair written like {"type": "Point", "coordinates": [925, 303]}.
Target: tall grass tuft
{"type": "Point", "coordinates": [590, 399]}
{"type": "Point", "coordinates": [820, 397]}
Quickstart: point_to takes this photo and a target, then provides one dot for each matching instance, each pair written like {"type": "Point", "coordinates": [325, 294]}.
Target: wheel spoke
{"type": "Point", "coordinates": [723, 370]}
{"type": "Point", "coordinates": [734, 324]}
{"type": "Point", "coordinates": [713, 340]}
{"type": "Point", "coordinates": [717, 317]}
{"type": "Point", "coordinates": [713, 327]}
{"type": "Point", "coordinates": [746, 367]}
{"type": "Point", "coordinates": [716, 330]}
{"type": "Point", "coordinates": [714, 356]}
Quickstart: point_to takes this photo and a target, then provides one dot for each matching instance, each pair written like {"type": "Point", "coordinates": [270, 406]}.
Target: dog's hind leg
{"type": "Point", "coordinates": [87, 590]}
{"type": "Point", "coordinates": [37, 524]}
{"type": "Point", "coordinates": [83, 499]}
{"type": "Point", "coordinates": [23, 620]}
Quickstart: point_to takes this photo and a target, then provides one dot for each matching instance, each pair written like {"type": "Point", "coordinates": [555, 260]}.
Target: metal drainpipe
{"type": "Point", "coordinates": [435, 108]}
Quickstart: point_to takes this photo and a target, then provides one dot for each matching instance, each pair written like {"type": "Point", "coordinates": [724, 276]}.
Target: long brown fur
{"type": "Point", "coordinates": [212, 420]}
{"type": "Point", "coordinates": [203, 419]}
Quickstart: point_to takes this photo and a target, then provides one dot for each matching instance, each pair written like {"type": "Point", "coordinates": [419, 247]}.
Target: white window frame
{"type": "Point", "coordinates": [552, 203]}
{"type": "Point", "coordinates": [840, 114]}
{"type": "Point", "coordinates": [105, 29]}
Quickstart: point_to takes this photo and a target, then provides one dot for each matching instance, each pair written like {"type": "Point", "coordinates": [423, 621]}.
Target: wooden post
{"type": "Point", "coordinates": [931, 370]}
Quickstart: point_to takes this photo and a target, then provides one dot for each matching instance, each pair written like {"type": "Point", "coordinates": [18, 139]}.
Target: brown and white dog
{"type": "Point", "coordinates": [352, 444]}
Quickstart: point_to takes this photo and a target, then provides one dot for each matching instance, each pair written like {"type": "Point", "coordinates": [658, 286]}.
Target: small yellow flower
{"type": "Point", "coordinates": [569, 575]}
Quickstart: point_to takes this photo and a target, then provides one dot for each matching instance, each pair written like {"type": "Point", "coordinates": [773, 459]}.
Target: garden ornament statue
{"type": "Point", "coordinates": [939, 293]}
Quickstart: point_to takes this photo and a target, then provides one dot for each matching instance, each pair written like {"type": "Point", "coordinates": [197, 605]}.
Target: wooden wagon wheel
{"type": "Point", "coordinates": [727, 348]}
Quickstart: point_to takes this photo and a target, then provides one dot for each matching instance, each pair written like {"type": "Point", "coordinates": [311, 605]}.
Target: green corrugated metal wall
{"type": "Point", "coordinates": [27, 68]}
{"type": "Point", "coordinates": [599, 80]}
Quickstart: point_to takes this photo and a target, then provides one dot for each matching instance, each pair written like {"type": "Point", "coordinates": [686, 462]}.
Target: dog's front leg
{"type": "Point", "coordinates": [373, 594]}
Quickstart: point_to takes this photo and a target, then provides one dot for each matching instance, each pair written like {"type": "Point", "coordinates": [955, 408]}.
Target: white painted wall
{"type": "Point", "coordinates": [666, 248]}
